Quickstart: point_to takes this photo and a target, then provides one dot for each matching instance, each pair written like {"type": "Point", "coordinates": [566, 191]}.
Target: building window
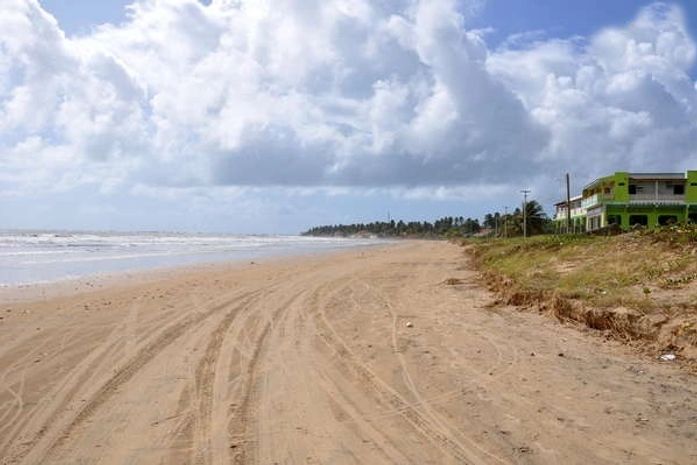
{"type": "Point", "coordinates": [641, 220]}
{"type": "Point", "coordinates": [692, 218]}
{"type": "Point", "coordinates": [665, 220]}
{"type": "Point", "coordinates": [607, 191]}
{"type": "Point", "coordinates": [614, 219]}
{"type": "Point", "coordinates": [594, 223]}
{"type": "Point", "coordinates": [679, 189]}
{"type": "Point", "coordinates": [632, 189]}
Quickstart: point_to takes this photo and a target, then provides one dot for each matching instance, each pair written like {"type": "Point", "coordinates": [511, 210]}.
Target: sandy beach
{"type": "Point", "coordinates": [387, 355]}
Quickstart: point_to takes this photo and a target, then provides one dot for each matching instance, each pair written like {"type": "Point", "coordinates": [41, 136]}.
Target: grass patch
{"type": "Point", "coordinates": [638, 287]}
{"type": "Point", "coordinates": [604, 271]}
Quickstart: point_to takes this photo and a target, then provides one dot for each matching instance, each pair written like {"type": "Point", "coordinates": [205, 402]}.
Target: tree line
{"type": "Point", "coordinates": [495, 223]}
{"type": "Point", "coordinates": [446, 226]}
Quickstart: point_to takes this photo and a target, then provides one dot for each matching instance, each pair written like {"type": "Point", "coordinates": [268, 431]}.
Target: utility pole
{"type": "Point", "coordinates": [568, 205]}
{"type": "Point", "coordinates": [525, 193]}
{"type": "Point", "coordinates": [505, 222]}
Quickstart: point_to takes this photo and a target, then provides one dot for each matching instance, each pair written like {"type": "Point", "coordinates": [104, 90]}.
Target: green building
{"type": "Point", "coordinates": [629, 199]}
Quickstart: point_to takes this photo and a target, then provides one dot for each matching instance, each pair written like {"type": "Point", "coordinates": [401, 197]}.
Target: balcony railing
{"type": "Point", "coordinates": [591, 201]}
{"type": "Point", "coordinates": [665, 198]}
{"type": "Point", "coordinates": [575, 213]}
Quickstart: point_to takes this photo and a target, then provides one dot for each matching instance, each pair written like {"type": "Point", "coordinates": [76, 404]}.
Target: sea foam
{"type": "Point", "coordinates": [28, 257]}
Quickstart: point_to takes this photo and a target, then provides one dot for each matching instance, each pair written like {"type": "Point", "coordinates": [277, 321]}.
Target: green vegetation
{"type": "Point", "coordinates": [496, 223]}
{"type": "Point", "coordinates": [639, 287]}
{"type": "Point", "coordinates": [511, 224]}
{"type": "Point", "coordinates": [445, 227]}
{"type": "Point", "coordinates": [631, 270]}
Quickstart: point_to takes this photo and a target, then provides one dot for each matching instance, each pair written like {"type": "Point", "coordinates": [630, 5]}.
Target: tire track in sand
{"type": "Point", "coordinates": [38, 421]}
{"type": "Point", "coordinates": [204, 387]}
{"type": "Point", "coordinates": [421, 424]}
{"type": "Point", "coordinates": [49, 444]}
{"type": "Point", "coordinates": [443, 424]}
{"type": "Point", "coordinates": [242, 416]}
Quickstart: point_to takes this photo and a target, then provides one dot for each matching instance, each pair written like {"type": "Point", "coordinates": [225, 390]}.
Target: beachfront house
{"type": "Point", "coordinates": [629, 199]}
{"type": "Point", "coordinates": [578, 216]}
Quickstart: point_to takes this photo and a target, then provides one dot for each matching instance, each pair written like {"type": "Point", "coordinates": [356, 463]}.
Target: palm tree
{"type": "Point", "coordinates": [535, 216]}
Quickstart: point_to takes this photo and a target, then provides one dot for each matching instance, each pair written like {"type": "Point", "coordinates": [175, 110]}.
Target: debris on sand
{"type": "Point", "coordinates": [409, 324]}
{"type": "Point", "coordinates": [667, 357]}
{"type": "Point", "coordinates": [523, 450]}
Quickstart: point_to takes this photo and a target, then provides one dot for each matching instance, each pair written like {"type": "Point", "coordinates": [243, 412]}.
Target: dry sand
{"type": "Point", "coordinates": [311, 360]}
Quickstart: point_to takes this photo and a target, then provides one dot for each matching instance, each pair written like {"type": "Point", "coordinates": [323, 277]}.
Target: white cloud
{"type": "Point", "coordinates": [623, 99]}
{"type": "Point", "coordinates": [303, 93]}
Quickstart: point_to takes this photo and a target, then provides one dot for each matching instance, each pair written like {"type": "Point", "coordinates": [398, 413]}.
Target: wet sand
{"type": "Point", "coordinates": [361, 357]}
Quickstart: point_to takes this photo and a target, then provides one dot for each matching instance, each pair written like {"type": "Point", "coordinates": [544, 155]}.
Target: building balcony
{"type": "Point", "coordinates": [575, 213]}
{"type": "Point", "coordinates": [592, 201]}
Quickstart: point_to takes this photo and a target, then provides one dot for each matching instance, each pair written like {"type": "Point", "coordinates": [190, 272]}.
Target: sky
{"type": "Point", "coordinates": [256, 116]}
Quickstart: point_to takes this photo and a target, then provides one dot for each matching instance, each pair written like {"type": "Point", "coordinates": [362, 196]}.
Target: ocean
{"type": "Point", "coordinates": [30, 257]}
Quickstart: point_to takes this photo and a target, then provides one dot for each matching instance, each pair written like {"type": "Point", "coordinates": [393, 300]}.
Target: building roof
{"type": "Point", "coordinates": [660, 176]}
{"type": "Point", "coordinates": [595, 181]}
{"type": "Point", "coordinates": [563, 202]}
{"type": "Point", "coordinates": [644, 176]}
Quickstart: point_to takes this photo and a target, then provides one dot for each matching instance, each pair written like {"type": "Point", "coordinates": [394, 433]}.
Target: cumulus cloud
{"type": "Point", "coordinates": [622, 99]}
{"type": "Point", "coordinates": [303, 93]}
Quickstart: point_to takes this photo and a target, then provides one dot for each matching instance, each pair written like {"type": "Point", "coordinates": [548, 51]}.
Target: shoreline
{"type": "Point", "coordinates": [27, 292]}
{"type": "Point", "coordinates": [38, 259]}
